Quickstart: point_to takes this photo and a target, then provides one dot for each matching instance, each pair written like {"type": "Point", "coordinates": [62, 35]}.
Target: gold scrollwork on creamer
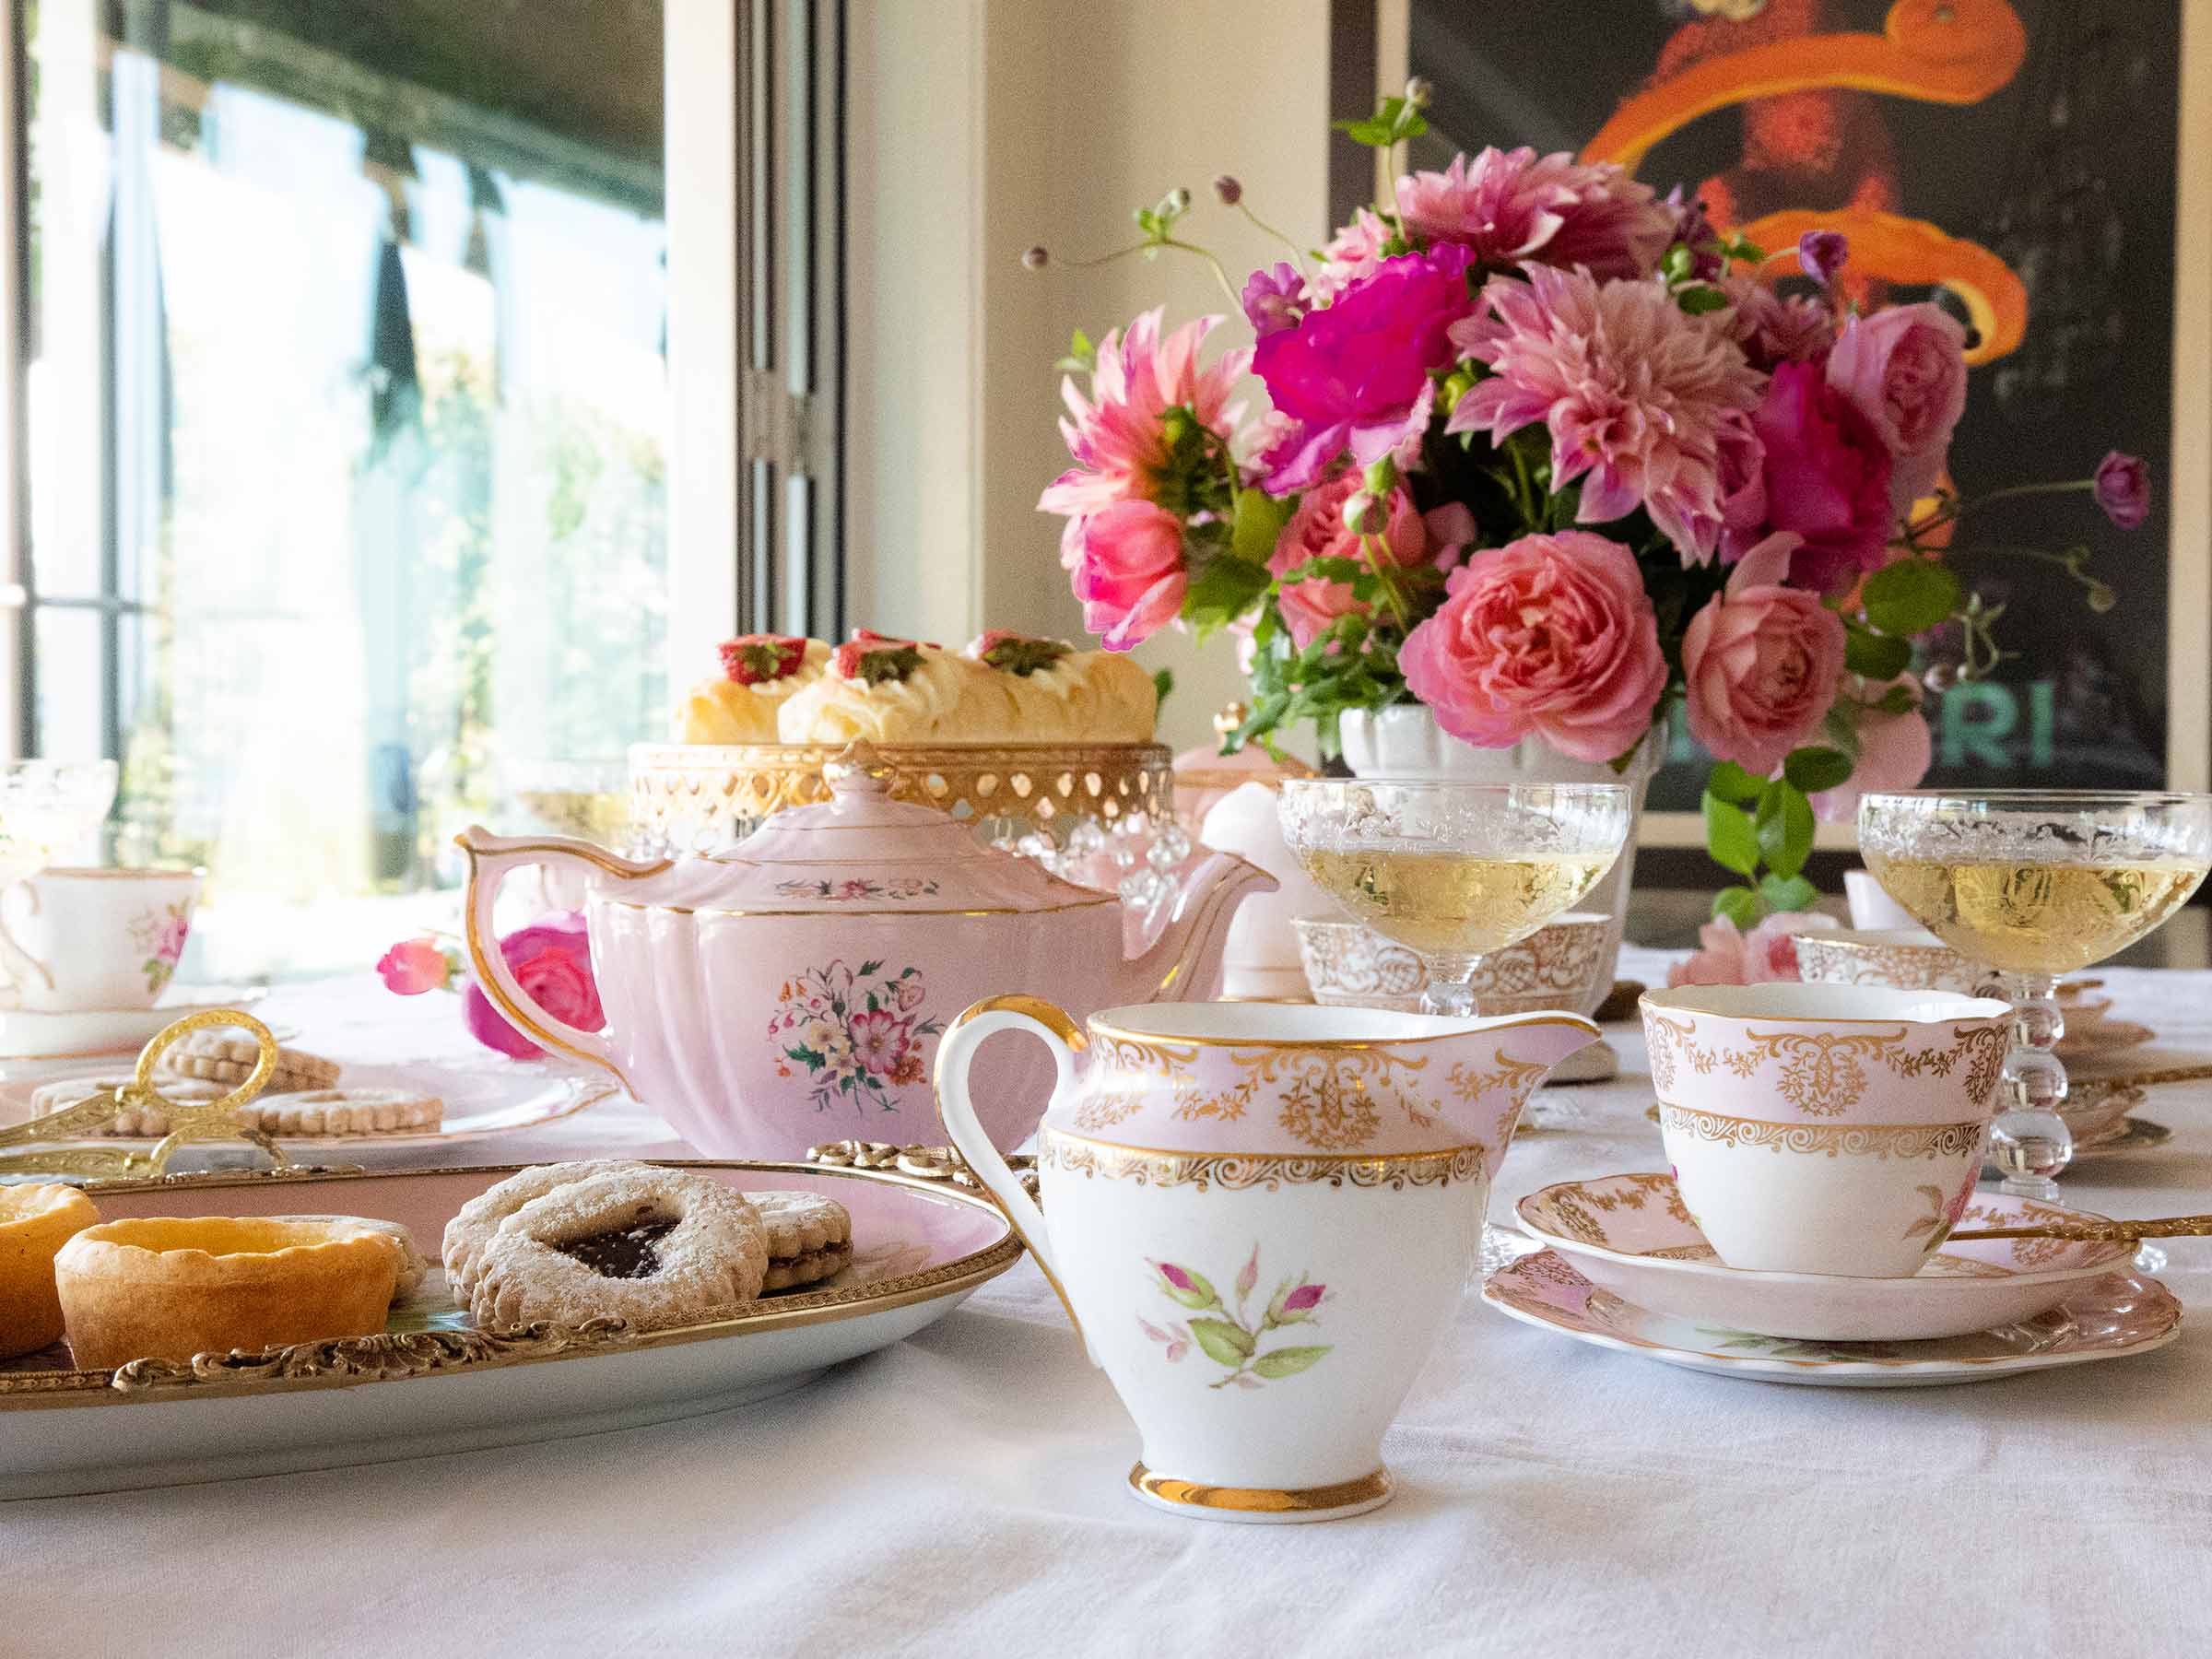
{"type": "Point", "coordinates": [1125, 1070]}
{"type": "Point", "coordinates": [1328, 1098]}
{"type": "Point", "coordinates": [1849, 1140]}
{"type": "Point", "coordinates": [1519, 1079]}
{"type": "Point", "coordinates": [1236, 1171]}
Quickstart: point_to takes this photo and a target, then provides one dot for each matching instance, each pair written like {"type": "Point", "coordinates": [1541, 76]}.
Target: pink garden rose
{"type": "Point", "coordinates": [1904, 369]}
{"type": "Point", "coordinates": [1549, 636]}
{"type": "Point", "coordinates": [1827, 478]}
{"type": "Point", "coordinates": [1761, 663]}
{"type": "Point", "coordinates": [551, 959]}
{"type": "Point", "coordinates": [1728, 956]}
{"type": "Point", "coordinates": [1894, 749]}
{"type": "Point", "coordinates": [1356, 374]}
{"type": "Point", "coordinates": [1510, 206]}
{"type": "Point", "coordinates": [414, 966]}
{"type": "Point", "coordinates": [1317, 530]}
{"type": "Point", "coordinates": [1130, 574]}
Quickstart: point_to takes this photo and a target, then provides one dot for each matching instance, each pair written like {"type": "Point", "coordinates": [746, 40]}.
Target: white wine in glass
{"type": "Point", "coordinates": [1451, 870]}
{"type": "Point", "coordinates": [2036, 883]}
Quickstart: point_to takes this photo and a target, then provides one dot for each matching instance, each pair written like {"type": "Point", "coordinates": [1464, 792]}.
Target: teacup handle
{"type": "Point", "coordinates": [16, 963]}
{"type": "Point", "coordinates": [965, 1130]}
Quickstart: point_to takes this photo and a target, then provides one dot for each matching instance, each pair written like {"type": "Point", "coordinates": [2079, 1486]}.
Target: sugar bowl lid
{"type": "Point", "coordinates": [863, 851]}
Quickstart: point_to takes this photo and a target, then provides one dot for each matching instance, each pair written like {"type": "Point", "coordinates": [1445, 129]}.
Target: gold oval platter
{"type": "Point", "coordinates": [922, 1240]}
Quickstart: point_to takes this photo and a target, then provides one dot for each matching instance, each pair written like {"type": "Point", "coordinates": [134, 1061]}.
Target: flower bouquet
{"type": "Point", "coordinates": [1549, 455]}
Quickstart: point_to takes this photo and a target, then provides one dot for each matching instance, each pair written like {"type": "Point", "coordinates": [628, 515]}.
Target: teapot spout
{"type": "Point", "coordinates": [1498, 1064]}
{"type": "Point", "coordinates": [1185, 961]}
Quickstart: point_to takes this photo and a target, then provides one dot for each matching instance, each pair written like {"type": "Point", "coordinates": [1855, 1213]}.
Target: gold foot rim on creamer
{"type": "Point", "coordinates": [1261, 1504]}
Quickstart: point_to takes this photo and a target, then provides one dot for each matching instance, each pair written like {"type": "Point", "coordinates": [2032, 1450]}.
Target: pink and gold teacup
{"type": "Point", "coordinates": [1907, 959]}
{"type": "Point", "coordinates": [1825, 1128]}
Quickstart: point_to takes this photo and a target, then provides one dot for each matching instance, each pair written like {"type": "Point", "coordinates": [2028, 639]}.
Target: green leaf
{"type": "Point", "coordinates": [1731, 783]}
{"type": "Point", "coordinates": [1224, 1343]}
{"type": "Point", "coordinates": [1897, 700]}
{"type": "Point", "coordinates": [1286, 1361]}
{"type": "Point", "coordinates": [1878, 656]}
{"type": "Point", "coordinates": [1813, 769]}
{"type": "Point", "coordinates": [1163, 682]}
{"type": "Point", "coordinates": [1785, 827]}
{"type": "Point", "coordinates": [1730, 836]}
{"type": "Point", "coordinates": [1259, 523]}
{"type": "Point", "coordinates": [1221, 591]}
{"type": "Point", "coordinates": [1375, 133]}
{"type": "Point", "coordinates": [1696, 301]}
{"type": "Point", "coordinates": [1788, 893]}
{"type": "Point", "coordinates": [1739, 904]}
{"type": "Point", "coordinates": [1327, 570]}
{"type": "Point", "coordinates": [1910, 596]}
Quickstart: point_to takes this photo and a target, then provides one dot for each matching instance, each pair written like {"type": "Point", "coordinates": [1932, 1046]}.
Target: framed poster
{"type": "Point", "coordinates": [2037, 167]}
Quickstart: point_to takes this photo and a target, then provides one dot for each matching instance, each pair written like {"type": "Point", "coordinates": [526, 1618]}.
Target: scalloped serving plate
{"type": "Point", "coordinates": [430, 1384]}
{"type": "Point", "coordinates": [2107, 1318]}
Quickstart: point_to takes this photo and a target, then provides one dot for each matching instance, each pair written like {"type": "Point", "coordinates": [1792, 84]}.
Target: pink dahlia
{"type": "Point", "coordinates": [1635, 391]}
{"type": "Point", "coordinates": [1356, 251]}
{"type": "Point", "coordinates": [1508, 206]}
{"type": "Point", "coordinates": [1115, 435]}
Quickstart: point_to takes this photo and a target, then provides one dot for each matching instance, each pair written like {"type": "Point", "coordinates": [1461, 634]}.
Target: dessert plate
{"type": "Point", "coordinates": [429, 1384]}
{"type": "Point", "coordinates": [2105, 1037]}
{"type": "Point", "coordinates": [482, 1097]}
{"type": "Point", "coordinates": [2129, 1135]}
{"type": "Point", "coordinates": [1630, 1235]}
{"type": "Point", "coordinates": [2103, 1319]}
{"type": "Point", "coordinates": [86, 1033]}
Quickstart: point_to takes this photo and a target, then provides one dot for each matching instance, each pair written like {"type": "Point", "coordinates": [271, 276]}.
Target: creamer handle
{"type": "Point", "coordinates": [956, 1113]}
{"type": "Point", "coordinates": [490, 859]}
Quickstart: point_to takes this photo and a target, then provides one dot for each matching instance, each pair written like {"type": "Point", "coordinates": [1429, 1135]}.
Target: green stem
{"type": "Point", "coordinates": [1236, 300]}
{"type": "Point", "coordinates": [1297, 253]}
{"type": "Point", "coordinates": [1955, 510]}
{"type": "Point", "coordinates": [1394, 597]}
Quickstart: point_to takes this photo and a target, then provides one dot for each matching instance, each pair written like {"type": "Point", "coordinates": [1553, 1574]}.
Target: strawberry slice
{"type": "Point", "coordinates": [876, 658]}
{"type": "Point", "coordinates": [1018, 654]}
{"type": "Point", "coordinates": [755, 659]}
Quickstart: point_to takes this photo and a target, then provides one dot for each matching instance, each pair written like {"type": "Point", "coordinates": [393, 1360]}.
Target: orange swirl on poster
{"type": "Point", "coordinates": [1937, 51]}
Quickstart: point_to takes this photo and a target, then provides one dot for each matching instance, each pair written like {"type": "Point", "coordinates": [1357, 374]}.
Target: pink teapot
{"type": "Point", "coordinates": [791, 990]}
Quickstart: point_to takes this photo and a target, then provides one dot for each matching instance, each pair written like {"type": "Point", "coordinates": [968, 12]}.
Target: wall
{"type": "Point", "coordinates": [977, 128]}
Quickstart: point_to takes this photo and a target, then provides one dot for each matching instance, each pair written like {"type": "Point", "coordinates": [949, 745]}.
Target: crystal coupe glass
{"type": "Point", "coordinates": [1453, 870]}
{"type": "Point", "coordinates": [2036, 884]}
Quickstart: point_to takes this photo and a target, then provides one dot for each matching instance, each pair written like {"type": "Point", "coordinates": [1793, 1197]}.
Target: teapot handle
{"type": "Point", "coordinates": [955, 1111]}
{"type": "Point", "coordinates": [491, 858]}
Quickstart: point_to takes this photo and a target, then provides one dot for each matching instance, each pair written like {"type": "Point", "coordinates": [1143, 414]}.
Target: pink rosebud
{"type": "Point", "coordinates": [2124, 489]}
{"type": "Point", "coordinates": [1761, 663]}
{"type": "Point", "coordinates": [1303, 1300]}
{"type": "Point", "coordinates": [1549, 636]}
{"type": "Point", "coordinates": [1131, 577]}
{"type": "Point", "coordinates": [414, 966]}
{"type": "Point", "coordinates": [1821, 254]}
{"type": "Point", "coordinates": [1250, 1275]}
{"type": "Point", "coordinates": [1904, 370]}
{"type": "Point", "coordinates": [1175, 1276]}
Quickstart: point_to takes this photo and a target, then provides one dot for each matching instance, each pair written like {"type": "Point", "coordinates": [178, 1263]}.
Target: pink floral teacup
{"type": "Point", "coordinates": [82, 939]}
{"type": "Point", "coordinates": [1259, 1216]}
{"type": "Point", "coordinates": [1825, 1128]}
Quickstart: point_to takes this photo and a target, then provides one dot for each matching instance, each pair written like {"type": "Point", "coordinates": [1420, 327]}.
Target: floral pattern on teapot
{"type": "Point", "coordinates": [856, 1032]}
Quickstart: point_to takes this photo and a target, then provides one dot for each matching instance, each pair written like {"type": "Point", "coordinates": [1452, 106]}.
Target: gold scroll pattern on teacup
{"type": "Point", "coordinates": [1237, 1172]}
{"type": "Point", "coordinates": [1822, 1072]}
{"type": "Point", "coordinates": [1847, 1140]}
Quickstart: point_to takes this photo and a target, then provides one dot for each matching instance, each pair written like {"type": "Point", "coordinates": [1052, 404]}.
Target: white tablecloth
{"type": "Point", "coordinates": [962, 1493]}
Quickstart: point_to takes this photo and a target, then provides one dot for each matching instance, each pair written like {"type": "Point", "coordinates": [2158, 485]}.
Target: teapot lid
{"type": "Point", "coordinates": [861, 850]}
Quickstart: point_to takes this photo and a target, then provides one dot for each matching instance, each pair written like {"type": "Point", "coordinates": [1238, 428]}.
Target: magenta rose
{"type": "Point", "coordinates": [1317, 530]}
{"type": "Point", "coordinates": [1904, 369]}
{"type": "Point", "coordinates": [1827, 476]}
{"type": "Point", "coordinates": [1551, 637]}
{"type": "Point", "coordinates": [1761, 663]}
{"type": "Point", "coordinates": [2123, 489]}
{"type": "Point", "coordinates": [1130, 574]}
{"type": "Point", "coordinates": [551, 959]}
{"type": "Point", "coordinates": [1355, 373]}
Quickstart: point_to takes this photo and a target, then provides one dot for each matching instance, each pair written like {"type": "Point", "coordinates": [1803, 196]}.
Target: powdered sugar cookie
{"type": "Point", "coordinates": [471, 1229]}
{"type": "Point", "coordinates": [657, 1247]}
{"type": "Point", "coordinates": [809, 1237]}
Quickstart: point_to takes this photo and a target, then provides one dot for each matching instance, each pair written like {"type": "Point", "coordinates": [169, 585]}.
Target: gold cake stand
{"type": "Point", "coordinates": [692, 797]}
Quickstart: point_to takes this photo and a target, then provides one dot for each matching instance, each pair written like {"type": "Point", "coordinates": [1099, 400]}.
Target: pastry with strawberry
{"type": "Point", "coordinates": [759, 674]}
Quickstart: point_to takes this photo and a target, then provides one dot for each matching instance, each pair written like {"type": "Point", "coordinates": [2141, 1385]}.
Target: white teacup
{"type": "Point", "coordinates": [1825, 1128]}
{"type": "Point", "coordinates": [76, 939]}
{"type": "Point", "coordinates": [1871, 905]}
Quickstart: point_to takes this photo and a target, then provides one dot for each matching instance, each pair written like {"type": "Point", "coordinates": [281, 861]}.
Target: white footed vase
{"type": "Point", "coordinates": [1404, 741]}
